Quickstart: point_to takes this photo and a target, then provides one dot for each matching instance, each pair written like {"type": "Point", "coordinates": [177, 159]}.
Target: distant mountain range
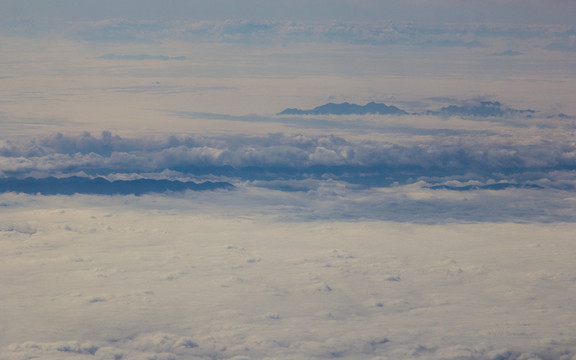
{"type": "Point", "coordinates": [84, 185]}
{"type": "Point", "coordinates": [477, 109]}
{"type": "Point", "coordinates": [347, 109]}
{"type": "Point", "coordinates": [497, 186]}
{"type": "Point", "coordinates": [483, 109]}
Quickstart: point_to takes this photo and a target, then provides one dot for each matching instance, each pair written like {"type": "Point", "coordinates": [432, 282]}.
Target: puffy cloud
{"type": "Point", "coordinates": [281, 155]}
{"type": "Point", "coordinates": [473, 178]}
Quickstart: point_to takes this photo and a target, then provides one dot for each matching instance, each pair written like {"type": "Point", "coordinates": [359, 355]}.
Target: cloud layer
{"type": "Point", "coordinates": [304, 177]}
{"type": "Point", "coordinates": [109, 278]}
{"type": "Point", "coordinates": [267, 32]}
{"type": "Point", "coordinates": [446, 233]}
{"type": "Point", "coordinates": [281, 155]}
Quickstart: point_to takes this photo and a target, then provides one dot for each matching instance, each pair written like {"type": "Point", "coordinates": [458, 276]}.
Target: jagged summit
{"type": "Point", "coordinates": [100, 186]}
{"type": "Point", "coordinates": [482, 109]}
{"type": "Point", "coordinates": [346, 108]}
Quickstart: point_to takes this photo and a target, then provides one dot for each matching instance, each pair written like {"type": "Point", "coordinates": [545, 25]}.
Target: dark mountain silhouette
{"type": "Point", "coordinates": [347, 109]}
{"type": "Point", "coordinates": [84, 185]}
{"type": "Point", "coordinates": [498, 186]}
{"type": "Point", "coordinates": [478, 109]}
{"type": "Point", "coordinates": [483, 109]}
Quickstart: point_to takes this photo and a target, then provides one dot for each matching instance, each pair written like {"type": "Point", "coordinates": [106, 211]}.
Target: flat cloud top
{"type": "Point", "coordinates": [170, 280]}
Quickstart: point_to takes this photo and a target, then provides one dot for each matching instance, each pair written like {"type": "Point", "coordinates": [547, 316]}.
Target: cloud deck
{"type": "Point", "coordinates": [436, 222]}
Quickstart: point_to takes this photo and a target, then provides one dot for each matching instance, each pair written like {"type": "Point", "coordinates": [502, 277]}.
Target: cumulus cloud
{"type": "Point", "coordinates": [318, 177]}
{"type": "Point", "coordinates": [281, 155]}
{"type": "Point", "coordinates": [333, 348]}
{"type": "Point", "coordinates": [23, 228]}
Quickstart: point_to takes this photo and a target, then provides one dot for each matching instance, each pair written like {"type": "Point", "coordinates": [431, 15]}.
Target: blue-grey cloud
{"type": "Point", "coordinates": [507, 53]}
{"type": "Point", "coordinates": [567, 45]}
{"type": "Point", "coordinates": [140, 57]}
{"type": "Point", "coordinates": [272, 32]}
{"type": "Point", "coordinates": [164, 346]}
{"type": "Point", "coordinates": [118, 31]}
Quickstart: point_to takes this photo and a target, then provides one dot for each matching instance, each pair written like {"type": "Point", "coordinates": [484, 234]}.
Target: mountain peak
{"type": "Point", "coordinates": [347, 108]}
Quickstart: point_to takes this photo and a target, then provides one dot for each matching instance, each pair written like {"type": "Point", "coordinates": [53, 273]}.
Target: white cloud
{"type": "Point", "coordinates": [181, 284]}
{"type": "Point", "coordinates": [288, 155]}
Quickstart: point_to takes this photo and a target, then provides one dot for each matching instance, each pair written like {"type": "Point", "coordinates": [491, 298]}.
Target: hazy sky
{"type": "Point", "coordinates": [513, 11]}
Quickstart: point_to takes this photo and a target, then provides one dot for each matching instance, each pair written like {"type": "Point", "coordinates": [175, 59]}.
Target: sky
{"type": "Point", "coordinates": [158, 202]}
{"type": "Point", "coordinates": [459, 11]}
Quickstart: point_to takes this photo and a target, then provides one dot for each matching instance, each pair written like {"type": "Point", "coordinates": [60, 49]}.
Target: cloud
{"type": "Point", "coordinates": [316, 177]}
{"type": "Point", "coordinates": [350, 237]}
{"type": "Point", "coordinates": [283, 155]}
{"type": "Point", "coordinates": [340, 348]}
{"type": "Point", "coordinates": [567, 45]}
{"type": "Point", "coordinates": [172, 272]}
{"type": "Point", "coordinates": [267, 32]}
{"type": "Point", "coordinates": [272, 31]}
{"type": "Point", "coordinates": [117, 31]}
{"type": "Point", "coordinates": [23, 228]}
{"type": "Point", "coordinates": [140, 57]}
{"type": "Point", "coordinates": [507, 53]}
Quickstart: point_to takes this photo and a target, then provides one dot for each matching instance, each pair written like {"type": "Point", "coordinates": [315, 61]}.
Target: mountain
{"type": "Point", "coordinates": [347, 109]}
{"type": "Point", "coordinates": [483, 109]}
{"type": "Point", "coordinates": [84, 185]}
{"type": "Point", "coordinates": [497, 186]}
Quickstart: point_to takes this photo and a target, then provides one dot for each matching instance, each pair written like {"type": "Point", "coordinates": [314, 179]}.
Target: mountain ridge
{"type": "Point", "coordinates": [101, 186]}
{"type": "Point", "coordinates": [346, 108]}
{"type": "Point", "coordinates": [479, 109]}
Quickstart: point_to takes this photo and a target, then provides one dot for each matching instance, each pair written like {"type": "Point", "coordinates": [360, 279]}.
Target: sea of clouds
{"type": "Point", "coordinates": [154, 277]}
{"type": "Point", "coordinates": [424, 236]}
